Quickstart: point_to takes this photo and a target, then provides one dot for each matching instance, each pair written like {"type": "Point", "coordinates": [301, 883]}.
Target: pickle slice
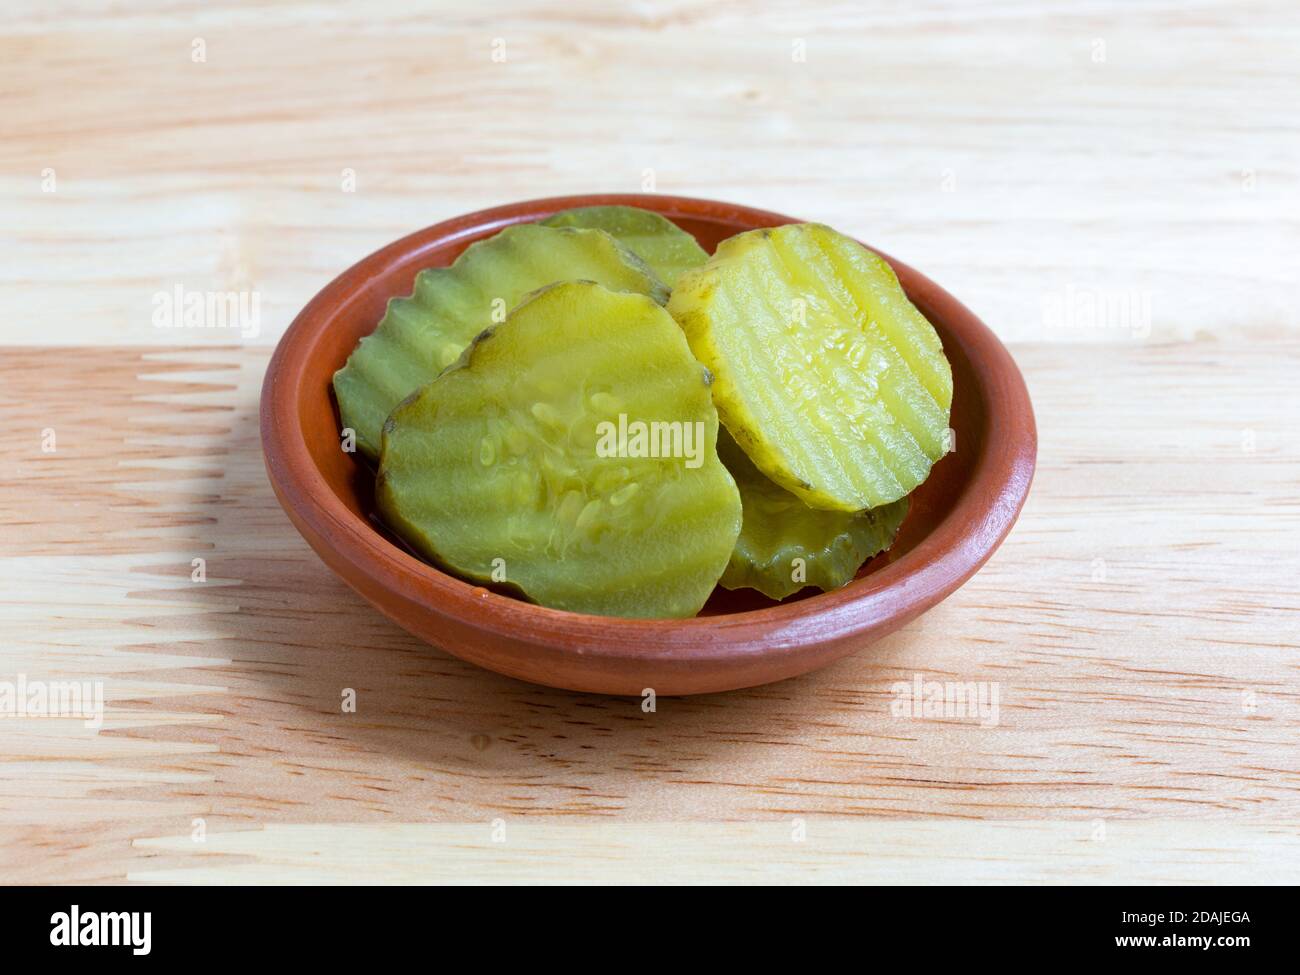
{"type": "Point", "coordinates": [655, 239]}
{"type": "Point", "coordinates": [421, 335]}
{"type": "Point", "coordinates": [784, 545]}
{"type": "Point", "coordinates": [826, 375]}
{"type": "Point", "coordinates": [532, 462]}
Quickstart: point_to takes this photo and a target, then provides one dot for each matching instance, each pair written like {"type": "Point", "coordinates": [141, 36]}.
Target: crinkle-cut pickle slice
{"type": "Point", "coordinates": [654, 238]}
{"type": "Point", "coordinates": [827, 376]}
{"type": "Point", "coordinates": [523, 463]}
{"type": "Point", "coordinates": [421, 335]}
{"type": "Point", "coordinates": [784, 545]}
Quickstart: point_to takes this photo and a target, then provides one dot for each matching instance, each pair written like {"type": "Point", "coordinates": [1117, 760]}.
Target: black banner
{"type": "Point", "coordinates": [138, 925]}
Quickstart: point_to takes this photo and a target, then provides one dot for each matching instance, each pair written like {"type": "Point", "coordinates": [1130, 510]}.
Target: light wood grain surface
{"type": "Point", "coordinates": [1114, 187]}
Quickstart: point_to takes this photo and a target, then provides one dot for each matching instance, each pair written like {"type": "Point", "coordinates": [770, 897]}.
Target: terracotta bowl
{"type": "Point", "coordinates": [957, 519]}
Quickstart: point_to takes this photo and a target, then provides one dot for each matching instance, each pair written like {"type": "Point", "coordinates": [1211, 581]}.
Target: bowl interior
{"type": "Point", "coordinates": [352, 481]}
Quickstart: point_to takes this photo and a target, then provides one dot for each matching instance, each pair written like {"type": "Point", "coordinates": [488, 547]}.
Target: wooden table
{"type": "Point", "coordinates": [1113, 189]}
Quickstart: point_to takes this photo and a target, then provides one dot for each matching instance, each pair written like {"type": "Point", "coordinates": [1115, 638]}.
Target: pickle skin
{"type": "Point", "coordinates": [777, 528]}
{"type": "Point", "coordinates": [826, 375]}
{"type": "Point", "coordinates": [423, 333]}
{"type": "Point", "coordinates": [665, 247]}
{"type": "Point", "coordinates": [494, 472]}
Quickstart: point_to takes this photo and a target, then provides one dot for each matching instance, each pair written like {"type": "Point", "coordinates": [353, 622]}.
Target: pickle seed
{"type": "Point", "coordinates": [545, 413]}
{"type": "Point", "coordinates": [624, 494]}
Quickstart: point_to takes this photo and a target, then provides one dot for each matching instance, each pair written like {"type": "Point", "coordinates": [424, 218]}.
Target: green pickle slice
{"type": "Point", "coordinates": [535, 463]}
{"type": "Point", "coordinates": [784, 545]}
{"type": "Point", "coordinates": [825, 373]}
{"type": "Point", "coordinates": [655, 239]}
{"type": "Point", "coordinates": [422, 334]}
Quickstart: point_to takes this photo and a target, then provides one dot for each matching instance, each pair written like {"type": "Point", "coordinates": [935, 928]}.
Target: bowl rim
{"type": "Point", "coordinates": [940, 563]}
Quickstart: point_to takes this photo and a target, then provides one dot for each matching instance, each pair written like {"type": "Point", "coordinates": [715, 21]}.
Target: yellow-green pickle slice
{"type": "Point", "coordinates": [570, 454]}
{"type": "Point", "coordinates": [655, 239]}
{"type": "Point", "coordinates": [421, 335]}
{"type": "Point", "coordinates": [784, 545]}
{"type": "Point", "coordinates": [825, 373]}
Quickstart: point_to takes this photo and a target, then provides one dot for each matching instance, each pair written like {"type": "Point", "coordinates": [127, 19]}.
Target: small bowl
{"type": "Point", "coordinates": [958, 517]}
